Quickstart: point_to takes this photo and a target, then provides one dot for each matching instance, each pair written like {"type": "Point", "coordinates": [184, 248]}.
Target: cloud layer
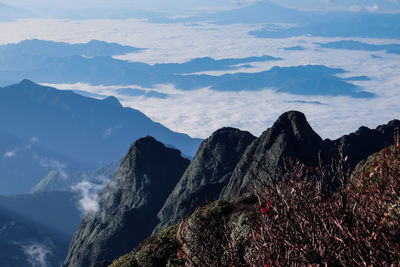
{"type": "Point", "coordinates": [89, 194]}
{"type": "Point", "coordinates": [202, 111]}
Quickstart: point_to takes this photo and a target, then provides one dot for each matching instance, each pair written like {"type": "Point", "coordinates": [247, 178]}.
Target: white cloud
{"type": "Point", "coordinates": [89, 192]}
{"type": "Point", "coordinates": [373, 8]}
{"type": "Point", "coordinates": [200, 112]}
{"type": "Point", "coordinates": [10, 154]}
{"type": "Point", "coordinates": [37, 254]}
{"type": "Point", "coordinates": [111, 130]}
{"type": "Point", "coordinates": [355, 8]}
{"type": "Point", "coordinates": [358, 8]}
{"type": "Point", "coordinates": [245, 2]}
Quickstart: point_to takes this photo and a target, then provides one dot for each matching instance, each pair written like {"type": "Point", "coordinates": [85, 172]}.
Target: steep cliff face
{"type": "Point", "coordinates": [224, 168]}
{"type": "Point", "coordinates": [206, 176]}
{"type": "Point", "coordinates": [243, 233]}
{"type": "Point", "coordinates": [292, 137]}
{"type": "Point", "coordinates": [364, 142]}
{"type": "Point", "coordinates": [127, 211]}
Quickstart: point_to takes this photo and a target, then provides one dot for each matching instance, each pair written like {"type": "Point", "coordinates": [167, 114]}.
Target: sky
{"type": "Point", "coordinates": [134, 4]}
{"type": "Point", "coordinates": [187, 5]}
{"type": "Point", "coordinates": [352, 5]}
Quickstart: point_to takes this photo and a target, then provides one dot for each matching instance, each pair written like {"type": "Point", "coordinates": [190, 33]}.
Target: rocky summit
{"type": "Point", "coordinates": [155, 187]}
{"type": "Point", "coordinates": [291, 137]}
{"type": "Point", "coordinates": [127, 211]}
{"type": "Point", "coordinates": [205, 177]}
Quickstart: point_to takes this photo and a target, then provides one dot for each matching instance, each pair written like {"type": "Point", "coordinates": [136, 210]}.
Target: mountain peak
{"type": "Point", "coordinates": [147, 146]}
{"type": "Point", "coordinates": [294, 118]}
{"type": "Point", "coordinates": [291, 136]}
{"type": "Point", "coordinates": [206, 176]}
{"type": "Point", "coordinates": [112, 100]}
{"type": "Point", "coordinates": [128, 206]}
{"type": "Point", "coordinates": [26, 82]}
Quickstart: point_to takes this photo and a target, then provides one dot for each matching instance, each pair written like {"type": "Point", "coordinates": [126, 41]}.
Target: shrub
{"type": "Point", "coordinates": [300, 220]}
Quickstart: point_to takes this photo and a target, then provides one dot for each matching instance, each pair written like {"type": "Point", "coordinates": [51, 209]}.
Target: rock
{"type": "Point", "coordinates": [128, 206]}
{"type": "Point", "coordinates": [206, 176]}
{"type": "Point", "coordinates": [291, 137]}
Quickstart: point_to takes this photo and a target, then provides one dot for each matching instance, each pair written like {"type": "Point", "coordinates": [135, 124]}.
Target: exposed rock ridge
{"type": "Point", "coordinates": [129, 204]}
{"type": "Point", "coordinates": [206, 176]}
{"type": "Point", "coordinates": [292, 137]}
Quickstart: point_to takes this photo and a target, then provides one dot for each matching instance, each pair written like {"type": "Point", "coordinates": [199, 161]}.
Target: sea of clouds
{"type": "Point", "coordinates": [200, 112]}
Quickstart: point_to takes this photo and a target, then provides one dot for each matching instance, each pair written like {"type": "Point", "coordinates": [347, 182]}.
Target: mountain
{"type": "Point", "coordinates": [224, 168]}
{"type": "Point", "coordinates": [51, 49]}
{"type": "Point", "coordinates": [200, 232]}
{"type": "Point", "coordinates": [128, 206]}
{"type": "Point", "coordinates": [356, 45]}
{"type": "Point", "coordinates": [292, 137]}
{"type": "Point", "coordinates": [24, 242]}
{"type": "Point", "coordinates": [56, 181]}
{"type": "Point", "coordinates": [261, 12]}
{"type": "Point", "coordinates": [36, 160]}
{"type": "Point", "coordinates": [298, 80]}
{"type": "Point", "coordinates": [205, 177]}
{"type": "Point", "coordinates": [353, 25]}
{"type": "Point", "coordinates": [222, 231]}
{"type": "Point", "coordinates": [46, 129]}
{"type": "Point", "coordinates": [388, 6]}
{"type": "Point", "coordinates": [252, 230]}
{"type": "Point", "coordinates": [54, 210]}
{"type": "Point", "coordinates": [289, 137]}
{"type": "Point", "coordinates": [68, 63]}
{"type": "Point", "coordinates": [35, 63]}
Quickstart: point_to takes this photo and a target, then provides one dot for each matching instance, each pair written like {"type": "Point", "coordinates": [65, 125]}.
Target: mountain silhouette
{"type": "Point", "coordinates": [63, 131]}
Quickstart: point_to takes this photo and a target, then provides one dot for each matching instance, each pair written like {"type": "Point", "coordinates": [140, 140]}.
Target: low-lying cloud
{"type": "Point", "coordinates": [37, 253]}
{"type": "Point", "coordinates": [200, 112]}
{"type": "Point", "coordinates": [89, 194]}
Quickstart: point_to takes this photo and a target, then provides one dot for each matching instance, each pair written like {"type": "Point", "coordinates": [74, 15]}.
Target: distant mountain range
{"type": "Point", "coordinates": [40, 66]}
{"type": "Point", "coordinates": [25, 242]}
{"type": "Point", "coordinates": [356, 45]}
{"type": "Point", "coordinates": [341, 25]}
{"type": "Point", "coordinates": [54, 210]}
{"type": "Point", "coordinates": [225, 167]}
{"type": "Point", "coordinates": [285, 22]}
{"type": "Point", "coordinates": [42, 48]}
{"type": "Point", "coordinates": [45, 129]}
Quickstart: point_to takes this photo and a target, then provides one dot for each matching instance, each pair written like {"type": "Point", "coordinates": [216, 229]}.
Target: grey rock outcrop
{"type": "Point", "coordinates": [206, 176]}
{"type": "Point", "coordinates": [128, 206]}
{"type": "Point", "coordinates": [292, 137]}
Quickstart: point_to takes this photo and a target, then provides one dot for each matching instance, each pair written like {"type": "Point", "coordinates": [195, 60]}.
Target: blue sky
{"type": "Point", "coordinates": [354, 5]}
